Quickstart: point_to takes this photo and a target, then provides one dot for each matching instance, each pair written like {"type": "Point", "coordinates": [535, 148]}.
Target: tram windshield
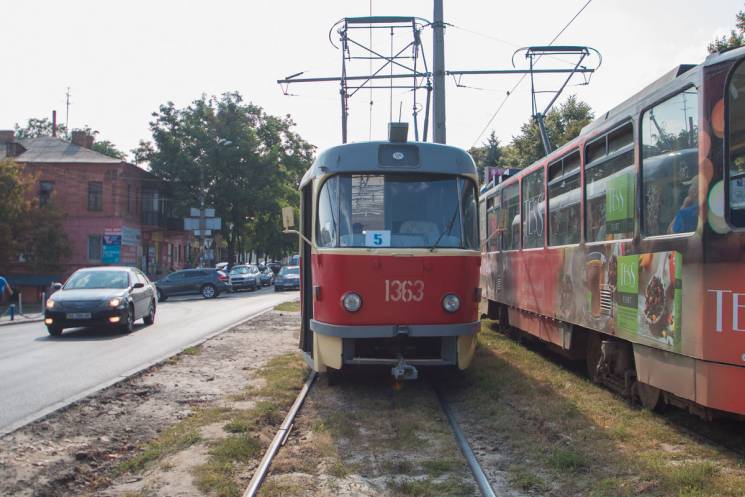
{"type": "Point", "coordinates": [397, 210]}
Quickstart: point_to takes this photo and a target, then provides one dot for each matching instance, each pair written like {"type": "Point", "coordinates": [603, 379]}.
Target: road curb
{"type": "Point", "coordinates": [127, 375]}
{"type": "Point", "coordinates": [21, 321]}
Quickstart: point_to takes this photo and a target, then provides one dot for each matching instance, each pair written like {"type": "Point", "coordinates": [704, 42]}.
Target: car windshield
{"type": "Point", "coordinates": [289, 270]}
{"type": "Point", "coordinates": [88, 280]}
{"type": "Point", "coordinates": [239, 270]}
{"type": "Point", "coordinates": [397, 210]}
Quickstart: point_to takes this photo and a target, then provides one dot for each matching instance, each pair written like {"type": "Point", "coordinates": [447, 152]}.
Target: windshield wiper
{"type": "Point", "coordinates": [448, 230]}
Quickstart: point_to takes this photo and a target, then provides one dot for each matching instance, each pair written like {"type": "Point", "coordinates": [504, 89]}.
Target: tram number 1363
{"type": "Point", "coordinates": [404, 290]}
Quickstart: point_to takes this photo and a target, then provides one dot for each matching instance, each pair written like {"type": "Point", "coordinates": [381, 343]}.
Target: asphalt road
{"type": "Point", "coordinates": [40, 373]}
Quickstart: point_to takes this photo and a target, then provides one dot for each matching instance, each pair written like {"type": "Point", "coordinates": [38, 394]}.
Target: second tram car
{"type": "Point", "coordinates": [390, 257]}
{"type": "Point", "coordinates": [626, 247]}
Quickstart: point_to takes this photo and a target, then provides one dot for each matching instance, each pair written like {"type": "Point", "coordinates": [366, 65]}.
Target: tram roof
{"type": "Point", "coordinates": [377, 157]}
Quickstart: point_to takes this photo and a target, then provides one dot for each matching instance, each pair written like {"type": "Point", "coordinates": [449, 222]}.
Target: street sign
{"type": "Point", "coordinates": [210, 223]}
{"type": "Point", "coordinates": [208, 242]}
{"type": "Point", "coordinates": [206, 233]}
{"type": "Point", "coordinates": [208, 212]}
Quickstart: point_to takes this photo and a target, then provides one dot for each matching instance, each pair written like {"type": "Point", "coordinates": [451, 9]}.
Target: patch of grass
{"type": "Point", "coordinates": [426, 487]}
{"type": "Point", "coordinates": [235, 449]}
{"type": "Point", "coordinates": [580, 438]}
{"type": "Point", "coordinates": [217, 478]}
{"type": "Point", "coordinates": [288, 307]}
{"type": "Point", "coordinates": [526, 480]}
{"type": "Point", "coordinates": [567, 460]}
{"type": "Point", "coordinates": [192, 350]}
{"type": "Point", "coordinates": [283, 376]}
{"type": "Point", "coordinates": [275, 488]}
{"type": "Point", "coordinates": [398, 466]}
{"type": "Point", "coordinates": [440, 466]}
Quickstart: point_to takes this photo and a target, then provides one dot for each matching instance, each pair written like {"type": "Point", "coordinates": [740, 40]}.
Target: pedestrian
{"type": "Point", "coordinates": [5, 288]}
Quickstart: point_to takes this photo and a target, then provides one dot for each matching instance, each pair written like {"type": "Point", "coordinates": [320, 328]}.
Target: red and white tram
{"type": "Point", "coordinates": [626, 246]}
{"type": "Point", "coordinates": [390, 260]}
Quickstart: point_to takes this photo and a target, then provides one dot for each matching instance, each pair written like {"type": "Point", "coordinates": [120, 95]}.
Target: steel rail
{"type": "Point", "coordinates": [279, 439]}
{"type": "Point", "coordinates": [465, 448]}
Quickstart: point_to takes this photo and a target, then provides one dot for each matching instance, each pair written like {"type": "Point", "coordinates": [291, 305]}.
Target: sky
{"type": "Point", "coordinates": [122, 60]}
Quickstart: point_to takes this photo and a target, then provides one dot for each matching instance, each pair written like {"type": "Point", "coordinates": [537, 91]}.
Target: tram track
{"type": "Point", "coordinates": [286, 428]}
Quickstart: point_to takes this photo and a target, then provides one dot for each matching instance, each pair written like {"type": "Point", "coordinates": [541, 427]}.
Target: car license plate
{"type": "Point", "coordinates": [78, 315]}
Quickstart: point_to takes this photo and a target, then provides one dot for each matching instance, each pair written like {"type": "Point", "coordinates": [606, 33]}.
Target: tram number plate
{"type": "Point", "coordinates": [404, 290]}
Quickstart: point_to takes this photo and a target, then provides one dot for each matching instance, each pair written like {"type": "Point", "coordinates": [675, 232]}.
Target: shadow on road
{"type": "Point", "coordinates": [90, 334]}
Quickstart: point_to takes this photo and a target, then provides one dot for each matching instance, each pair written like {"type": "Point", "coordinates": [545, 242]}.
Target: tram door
{"type": "Point", "coordinates": [306, 292]}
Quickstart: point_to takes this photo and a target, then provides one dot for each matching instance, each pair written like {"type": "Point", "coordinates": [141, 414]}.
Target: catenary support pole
{"type": "Point", "coordinates": [438, 102]}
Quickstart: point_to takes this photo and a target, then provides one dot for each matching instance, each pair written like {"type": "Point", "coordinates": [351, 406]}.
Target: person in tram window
{"type": "Point", "coordinates": [686, 219]}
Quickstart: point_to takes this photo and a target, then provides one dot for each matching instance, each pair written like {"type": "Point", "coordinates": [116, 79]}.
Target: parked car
{"type": "Point", "coordinates": [287, 279]}
{"type": "Point", "coordinates": [266, 278]}
{"type": "Point", "coordinates": [274, 266]}
{"type": "Point", "coordinates": [104, 296]}
{"type": "Point", "coordinates": [206, 282]}
{"type": "Point", "coordinates": [244, 276]}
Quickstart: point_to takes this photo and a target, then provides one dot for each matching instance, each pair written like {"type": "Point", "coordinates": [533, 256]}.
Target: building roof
{"type": "Point", "coordinates": [52, 149]}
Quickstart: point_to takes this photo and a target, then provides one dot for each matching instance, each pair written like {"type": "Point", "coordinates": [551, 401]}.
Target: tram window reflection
{"type": "Point", "coordinates": [670, 164]}
{"type": "Point", "coordinates": [510, 219]}
{"type": "Point", "coordinates": [533, 209]}
{"type": "Point", "coordinates": [401, 210]}
{"type": "Point", "coordinates": [610, 187]}
{"type": "Point", "coordinates": [736, 145]}
{"type": "Point", "coordinates": [564, 201]}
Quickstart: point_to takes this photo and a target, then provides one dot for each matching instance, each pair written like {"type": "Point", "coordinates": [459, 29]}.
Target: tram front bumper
{"type": "Point", "coordinates": [394, 330]}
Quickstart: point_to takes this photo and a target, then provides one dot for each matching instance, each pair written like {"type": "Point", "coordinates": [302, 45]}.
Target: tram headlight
{"type": "Point", "coordinates": [351, 302]}
{"type": "Point", "coordinates": [451, 302]}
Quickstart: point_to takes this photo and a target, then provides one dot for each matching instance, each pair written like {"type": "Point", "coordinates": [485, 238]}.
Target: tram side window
{"type": "Point", "coordinates": [468, 202]}
{"type": "Point", "coordinates": [492, 223]}
{"type": "Point", "coordinates": [509, 220]}
{"type": "Point", "coordinates": [610, 186]}
{"type": "Point", "coordinates": [736, 145]}
{"type": "Point", "coordinates": [533, 209]}
{"type": "Point", "coordinates": [564, 201]}
{"type": "Point", "coordinates": [328, 214]}
{"type": "Point", "coordinates": [670, 165]}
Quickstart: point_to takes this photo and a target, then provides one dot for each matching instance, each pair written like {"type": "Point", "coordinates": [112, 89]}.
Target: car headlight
{"type": "Point", "coordinates": [351, 301]}
{"type": "Point", "coordinates": [50, 304]}
{"type": "Point", "coordinates": [451, 302]}
{"type": "Point", "coordinates": [115, 302]}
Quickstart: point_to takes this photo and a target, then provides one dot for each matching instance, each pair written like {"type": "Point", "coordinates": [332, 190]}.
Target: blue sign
{"type": "Point", "coordinates": [112, 245]}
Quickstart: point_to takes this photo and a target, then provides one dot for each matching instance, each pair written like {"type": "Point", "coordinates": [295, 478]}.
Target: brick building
{"type": "Point", "coordinates": [117, 212]}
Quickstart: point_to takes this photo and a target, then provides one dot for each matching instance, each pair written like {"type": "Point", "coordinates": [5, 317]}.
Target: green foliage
{"type": "Point", "coordinates": [28, 231]}
{"type": "Point", "coordinates": [735, 39]}
{"type": "Point", "coordinates": [246, 163]}
{"type": "Point", "coordinates": [107, 148]}
{"type": "Point", "coordinates": [39, 127]}
{"type": "Point", "coordinates": [563, 124]}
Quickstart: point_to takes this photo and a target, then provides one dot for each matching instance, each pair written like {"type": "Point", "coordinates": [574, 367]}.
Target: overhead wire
{"type": "Point", "coordinates": [522, 78]}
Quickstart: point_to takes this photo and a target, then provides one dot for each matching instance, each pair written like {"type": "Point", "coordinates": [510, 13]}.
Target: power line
{"type": "Point", "coordinates": [522, 78]}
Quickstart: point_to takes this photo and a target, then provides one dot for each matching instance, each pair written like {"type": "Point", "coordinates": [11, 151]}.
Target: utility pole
{"type": "Point", "coordinates": [438, 70]}
{"type": "Point", "coordinates": [67, 110]}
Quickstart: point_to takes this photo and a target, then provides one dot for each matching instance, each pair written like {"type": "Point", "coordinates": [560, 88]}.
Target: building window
{"type": "Point", "coordinates": [610, 186]}
{"type": "Point", "coordinates": [564, 200]}
{"type": "Point", "coordinates": [45, 192]}
{"type": "Point", "coordinates": [94, 247]}
{"type": "Point", "coordinates": [95, 196]}
{"type": "Point", "coordinates": [670, 165]}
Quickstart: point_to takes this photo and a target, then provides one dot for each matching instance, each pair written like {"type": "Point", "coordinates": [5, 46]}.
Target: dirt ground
{"type": "Point", "coordinates": [85, 448]}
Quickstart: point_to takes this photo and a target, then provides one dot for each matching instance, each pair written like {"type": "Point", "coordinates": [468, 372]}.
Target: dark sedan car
{"type": "Point", "coordinates": [244, 276]}
{"type": "Point", "coordinates": [266, 278]}
{"type": "Point", "coordinates": [102, 296]}
{"type": "Point", "coordinates": [208, 283]}
{"type": "Point", "coordinates": [287, 279]}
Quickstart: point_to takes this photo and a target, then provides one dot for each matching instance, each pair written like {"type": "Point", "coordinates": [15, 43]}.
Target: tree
{"type": "Point", "coordinates": [244, 162]}
{"type": "Point", "coordinates": [563, 124]}
{"type": "Point", "coordinates": [735, 39]}
{"type": "Point", "coordinates": [107, 148]}
{"type": "Point", "coordinates": [487, 155]}
{"type": "Point", "coordinates": [39, 127]}
{"type": "Point", "coordinates": [28, 231]}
